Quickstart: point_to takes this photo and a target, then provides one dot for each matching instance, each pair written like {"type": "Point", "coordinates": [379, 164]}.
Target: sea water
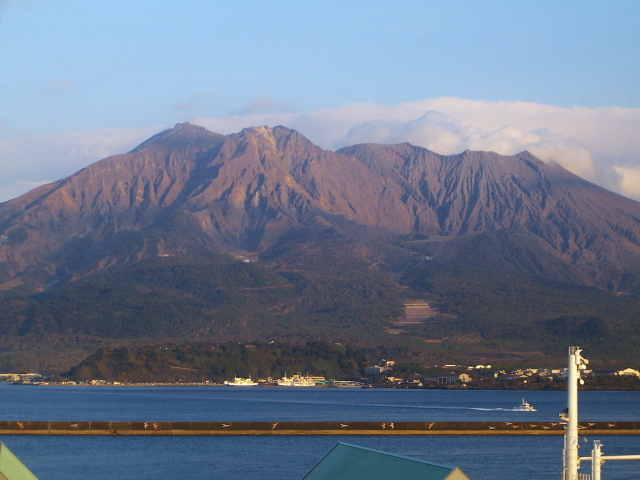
{"type": "Point", "coordinates": [290, 458]}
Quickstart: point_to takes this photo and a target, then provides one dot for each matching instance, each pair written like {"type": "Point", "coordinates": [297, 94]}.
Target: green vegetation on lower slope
{"type": "Point", "coordinates": [219, 298]}
{"type": "Point", "coordinates": [219, 362]}
{"type": "Point", "coordinates": [508, 312]}
{"type": "Point", "coordinates": [334, 289]}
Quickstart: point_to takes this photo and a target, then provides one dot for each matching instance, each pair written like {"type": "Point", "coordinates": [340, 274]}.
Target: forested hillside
{"type": "Point", "coordinates": [219, 362]}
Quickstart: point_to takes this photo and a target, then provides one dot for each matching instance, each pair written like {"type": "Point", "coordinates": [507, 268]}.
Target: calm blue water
{"type": "Point", "coordinates": [290, 458]}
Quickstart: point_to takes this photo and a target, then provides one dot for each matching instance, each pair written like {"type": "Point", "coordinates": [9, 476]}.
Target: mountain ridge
{"type": "Point", "coordinates": [262, 235]}
{"type": "Point", "coordinates": [242, 192]}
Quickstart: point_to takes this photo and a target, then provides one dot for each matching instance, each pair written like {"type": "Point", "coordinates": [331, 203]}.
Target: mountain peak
{"type": "Point", "coordinates": [259, 130]}
{"type": "Point", "coordinates": [180, 132]}
{"type": "Point", "coordinates": [279, 131]}
{"type": "Point", "coordinates": [187, 126]}
{"type": "Point", "coordinates": [246, 191]}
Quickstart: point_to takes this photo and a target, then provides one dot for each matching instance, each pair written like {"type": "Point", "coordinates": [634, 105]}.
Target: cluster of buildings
{"type": "Point", "coordinates": [551, 373]}
{"type": "Point", "coordinates": [383, 372]}
{"type": "Point", "coordinates": [21, 378]}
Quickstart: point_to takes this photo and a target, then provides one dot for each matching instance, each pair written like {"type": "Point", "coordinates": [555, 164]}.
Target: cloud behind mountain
{"type": "Point", "coordinates": [600, 144]}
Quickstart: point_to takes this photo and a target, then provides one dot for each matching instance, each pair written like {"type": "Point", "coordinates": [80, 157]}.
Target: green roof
{"type": "Point", "coordinates": [11, 468]}
{"type": "Point", "coordinates": [351, 462]}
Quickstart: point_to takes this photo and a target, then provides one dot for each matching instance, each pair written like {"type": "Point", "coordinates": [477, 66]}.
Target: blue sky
{"type": "Point", "coordinates": [81, 80]}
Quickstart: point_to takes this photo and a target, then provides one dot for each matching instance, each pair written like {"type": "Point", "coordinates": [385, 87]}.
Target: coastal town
{"type": "Point", "coordinates": [387, 374]}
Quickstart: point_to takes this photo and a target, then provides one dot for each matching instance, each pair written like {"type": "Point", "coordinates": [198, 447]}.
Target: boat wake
{"type": "Point", "coordinates": [438, 407]}
{"type": "Point", "coordinates": [374, 405]}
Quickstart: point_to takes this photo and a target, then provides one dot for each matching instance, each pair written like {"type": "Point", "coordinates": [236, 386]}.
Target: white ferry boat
{"type": "Point", "coordinates": [240, 382]}
{"type": "Point", "coordinates": [298, 381]}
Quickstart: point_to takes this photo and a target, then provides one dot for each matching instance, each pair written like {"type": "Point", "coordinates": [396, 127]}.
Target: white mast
{"type": "Point", "coordinates": [571, 445]}
{"type": "Point", "coordinates": [597, 459]}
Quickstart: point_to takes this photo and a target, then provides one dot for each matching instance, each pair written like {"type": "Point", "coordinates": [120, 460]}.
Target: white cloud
{"type": "Point", "coordinates": [629, 180]}
{"type": "Point", "coordinates": [25, 161]}
{"type": "Point", "coordinates": [600, 144]}
{"type": "Point", "coordinates": [446, 135]}
{"type": "Point", "coordinates": [590, 142]}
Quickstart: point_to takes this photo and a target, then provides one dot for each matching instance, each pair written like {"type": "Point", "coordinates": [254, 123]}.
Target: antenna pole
{"type": "Point", "coordinates": [598, 458]}
{"type": "Point", "coordinates": [596, 461]}
{"type": "Point", "coordinates": [571, 444]}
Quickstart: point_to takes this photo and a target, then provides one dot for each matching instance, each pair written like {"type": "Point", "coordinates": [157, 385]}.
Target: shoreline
{"type": "Point", "coordinates": [151, 428]}
{"type": "Point", "coordinates": [243, 387]}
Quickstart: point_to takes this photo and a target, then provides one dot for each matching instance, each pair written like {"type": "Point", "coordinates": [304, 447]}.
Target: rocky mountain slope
{"type": "Point", "coordinates": [476, 192]}
{"type": "Point", "coordinates": [262, 235]}
{"type": "Point", "coordinates": [189, 190]}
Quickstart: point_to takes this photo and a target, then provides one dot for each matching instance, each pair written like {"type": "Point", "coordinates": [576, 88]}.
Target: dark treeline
{"type": "Point", "coordinates": [201, 362]}
{"type": "Point", "coordinates": [219, 362]}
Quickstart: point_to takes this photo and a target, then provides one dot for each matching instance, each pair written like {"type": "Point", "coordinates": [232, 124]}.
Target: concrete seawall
{"type": "Point", "coordinates": [310, 428]}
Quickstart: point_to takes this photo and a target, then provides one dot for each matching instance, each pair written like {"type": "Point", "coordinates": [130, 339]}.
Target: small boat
{"type": "Point", "coordinates": [525, 407]}
{"type": "Point", "coordinates": [240, 382]}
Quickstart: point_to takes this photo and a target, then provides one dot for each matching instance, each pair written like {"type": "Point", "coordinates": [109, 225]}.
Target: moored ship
{"type": "Point", "coordinates": [240, 382]}
{"type": "Point", "coordinates": [298, 381]}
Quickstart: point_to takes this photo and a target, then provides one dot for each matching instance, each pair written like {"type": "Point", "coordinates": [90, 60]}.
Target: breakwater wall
{"type": "Point", "coordinates": [310, 428]}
